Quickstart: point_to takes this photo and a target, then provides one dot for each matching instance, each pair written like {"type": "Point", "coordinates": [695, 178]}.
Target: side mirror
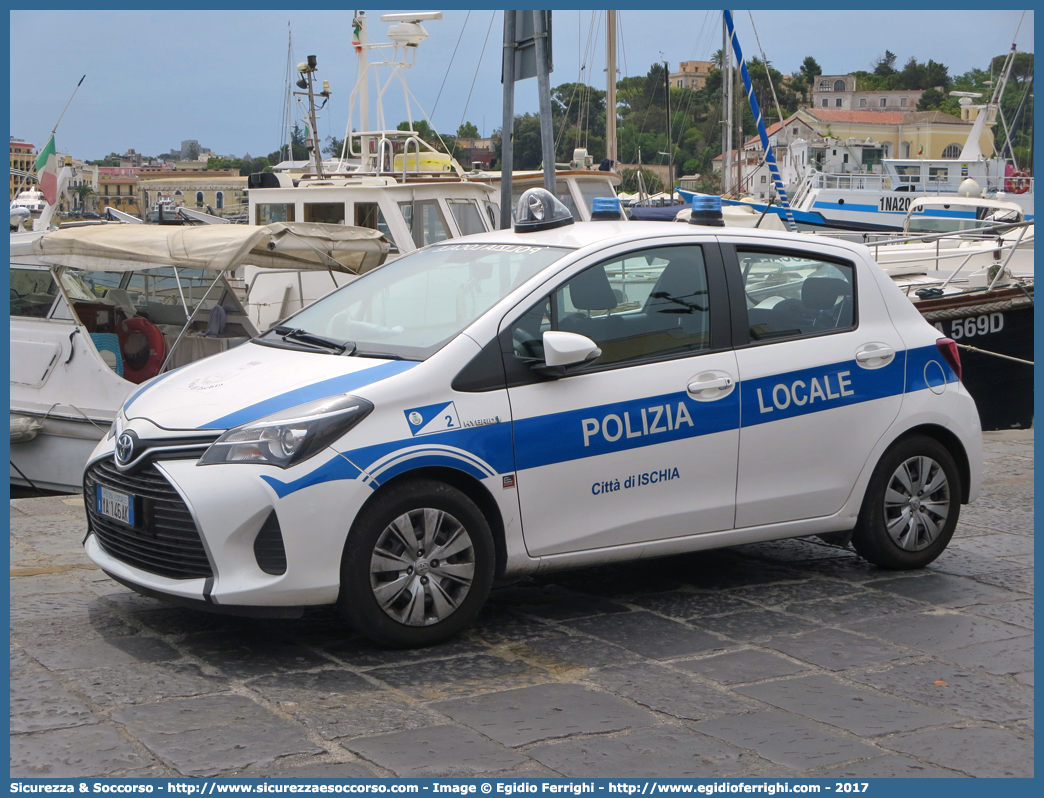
{"type": "Point", "coordinates": [565, 349]}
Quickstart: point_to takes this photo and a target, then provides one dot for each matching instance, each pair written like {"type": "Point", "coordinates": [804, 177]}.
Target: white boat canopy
{"type": "Point", "coordinates": [282, 245]}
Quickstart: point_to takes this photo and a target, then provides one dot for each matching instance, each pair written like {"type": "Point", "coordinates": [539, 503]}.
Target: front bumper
{"type": "Point", "coordinates": [229, 504]}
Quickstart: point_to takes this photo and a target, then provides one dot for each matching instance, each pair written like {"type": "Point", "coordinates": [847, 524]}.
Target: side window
{"type": "Point", "coordinates": [648, 304]}
{"type": "Point", "coordinates": [368, 214]}
{"type": "Point", "coordinates": [32, 292]}
{"type": "Point", "coordinates": [325, 212]}
{"type": "Point", "coordinates": [467, 215]}
{"type": "Point", "coordinates": [267, 213]}
{"type": "Point", "coordinates": [790, 295]}
{"type": "Point", "coordinates": [424, 219]}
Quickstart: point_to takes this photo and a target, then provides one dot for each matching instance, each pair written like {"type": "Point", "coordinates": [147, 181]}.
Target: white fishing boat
{"type": "Point", "coordinates": [967, 265]}
{"type": "Point", "coordinates": [863, 200]}
{"type": "Point", "coordinates": [942, 236]}
{"type": "Point", "coordinates": [97, 310]}
{"type": "Point", "coordinates": [388, 180]}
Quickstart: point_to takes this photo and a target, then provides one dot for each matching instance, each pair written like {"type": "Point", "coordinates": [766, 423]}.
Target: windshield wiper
{"type": "Point", "coordinates": [382, 355]}
{"type": "Point", "coordinates": [316, 341]}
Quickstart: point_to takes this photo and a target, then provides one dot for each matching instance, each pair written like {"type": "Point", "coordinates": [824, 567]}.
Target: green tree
{"type": "Point", "coordinates": [629, 181]}
{"type": "Point", "coordinates": [1021, 69]}
{"type": "Point", "coordinates": [578, 119]}
{"type": "Point", "coordinates": [885, 65]}
{"type": "Point", "coordinates": [245, 166]}
{"type": "Point", "coordinates": [763, 78]}
{"type": "Point", "coordinates": [911, 76]}
{"type": "Point", "coordinates": [467, 131]}
{"type": "Point", "coordinates": [810, 69]}
{"type": "Point", "coordinates": [935, 75]}
{"type": "Point", "coordinates": [299, 152]}
{"type": "Point", "coordinates": [799, 85]}
{"type": "Point", "coordinates": [931, 100]}
{"type": "Point", "coordinates": [526, 141]}
{"type": "Point", "coordinates": [333, 146]}
{"type": "Point", "coordinates": [83, 191]}
{"type": "Point", "coordinates": [422, 129]}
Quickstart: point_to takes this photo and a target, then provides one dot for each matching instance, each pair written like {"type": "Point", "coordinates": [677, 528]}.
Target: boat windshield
{"type": "Point", "coordinates": [153, 294]}
{"type": "Point", "coordinates": [592, 188]}
{"type": "Point", "coordinates": [947, 219]}
{"type": "Point", "coordinates": [412, 307]}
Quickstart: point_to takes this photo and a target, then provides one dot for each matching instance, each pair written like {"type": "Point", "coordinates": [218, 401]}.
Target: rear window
{"type": "Point", "coordinates": [792, 294]}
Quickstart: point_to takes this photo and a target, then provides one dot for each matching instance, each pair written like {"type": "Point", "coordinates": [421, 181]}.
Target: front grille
{"type": "Point", "coordinates": [164, 539]}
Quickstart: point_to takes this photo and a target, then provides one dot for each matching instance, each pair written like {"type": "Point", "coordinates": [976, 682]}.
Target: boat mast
{"type": "Point", "coordinates": [610, 88]}
{"type": "Point", "coordinates": [307, 70]}
{"type": "Point", "coordinates": [766, 145]}
{"type": "Point", "coordinates": [726, 103]}
{"type": "Point", "coordinates": [364, 88]}
{"type": "Point", "coordinates": [670, 137]}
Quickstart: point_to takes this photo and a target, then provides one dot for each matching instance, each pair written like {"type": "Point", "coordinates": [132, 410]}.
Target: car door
{"type": "Point", "coordinates": [821, 370]}
{"type": "Point", "coordinates": [640, 444]}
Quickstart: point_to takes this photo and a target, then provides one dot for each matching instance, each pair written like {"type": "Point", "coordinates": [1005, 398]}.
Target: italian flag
{"type": "Point", "coordinates": [356, 41]}
{"type": "Point", "coordinates": [47, 171]}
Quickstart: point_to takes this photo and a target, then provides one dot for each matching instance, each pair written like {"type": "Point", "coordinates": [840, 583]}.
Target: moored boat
{"type": "Point", "coordinates": [97, 310]}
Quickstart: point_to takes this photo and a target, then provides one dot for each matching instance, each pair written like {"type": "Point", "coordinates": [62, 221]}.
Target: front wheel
{"type": "Point", "coordinates": [911, 505]}
{"type": "Point", "coordinates": [418, 565]}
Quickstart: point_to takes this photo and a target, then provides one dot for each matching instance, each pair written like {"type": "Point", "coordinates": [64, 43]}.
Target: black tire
{"type": "Point", "coordinates": [426, 599]}
{"type": "Point", "coordinates": [899, 526]}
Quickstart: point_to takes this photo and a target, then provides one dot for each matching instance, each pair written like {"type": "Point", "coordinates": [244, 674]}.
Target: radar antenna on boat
{"type": "Point", "coordinates": [375, 146]}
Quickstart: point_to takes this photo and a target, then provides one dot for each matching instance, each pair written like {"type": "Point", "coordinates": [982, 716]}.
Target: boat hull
{"type": "Point", "coordinates": [55, 458]}
{"type": "Point", "coordinates": [997, 323]}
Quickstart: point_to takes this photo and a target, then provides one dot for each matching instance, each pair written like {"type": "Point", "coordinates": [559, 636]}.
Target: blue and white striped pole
{"type": "Point", "coordinates": [770, 157]}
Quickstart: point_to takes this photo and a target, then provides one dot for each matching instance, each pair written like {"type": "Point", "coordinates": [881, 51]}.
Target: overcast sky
{"type": "Point", "coordinates": [155, 78]}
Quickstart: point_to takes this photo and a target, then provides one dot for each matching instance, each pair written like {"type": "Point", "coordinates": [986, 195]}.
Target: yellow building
{"type": "Point", "coordinates": [918, 134]}
{"type": "Point", "coordinates": [221, 190]}
{"type": "Point", "coordinates": [23, 159]}
{"type": "Point", "coordinates": [691, 75]}
{"type": "Point", "coordinates": [117, 188]}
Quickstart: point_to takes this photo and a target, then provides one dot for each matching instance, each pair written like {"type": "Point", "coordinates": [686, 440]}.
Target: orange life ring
{"type": "Point", "coordinates": [1017, 183]}
{"type": "Point", "coordinates": [142, 348]}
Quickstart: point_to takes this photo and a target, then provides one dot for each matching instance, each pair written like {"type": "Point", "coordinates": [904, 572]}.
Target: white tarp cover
{"type": "Point", "coordinates": [282, 245]}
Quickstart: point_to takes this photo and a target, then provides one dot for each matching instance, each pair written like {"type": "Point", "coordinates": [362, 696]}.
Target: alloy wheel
{"type": "Point", "coordinates": [916, 503]}
{"type": "Point", "coordinates": [422, 567]}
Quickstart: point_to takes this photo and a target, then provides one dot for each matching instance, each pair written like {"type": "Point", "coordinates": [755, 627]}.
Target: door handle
{"type": "Point", "coordinates": [870, 354]}
{"type": "Point", "coordinates": [721, 382]}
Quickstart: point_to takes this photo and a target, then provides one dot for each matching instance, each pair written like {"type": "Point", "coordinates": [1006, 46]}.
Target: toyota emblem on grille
{"type": "Point", "coordinates": [124, 448]}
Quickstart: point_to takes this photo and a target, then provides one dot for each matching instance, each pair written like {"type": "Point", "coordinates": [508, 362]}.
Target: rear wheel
{"type": "Point", "coordinates": [911, 505]}
{"type": "Point", "coordinates": [417, 566]}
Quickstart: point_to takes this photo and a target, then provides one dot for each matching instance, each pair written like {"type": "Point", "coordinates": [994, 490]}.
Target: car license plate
{"type": "Point", "coordinates": [115, 505]}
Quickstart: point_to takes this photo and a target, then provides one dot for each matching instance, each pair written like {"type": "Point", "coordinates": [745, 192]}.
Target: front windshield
{"type": "Point", "coordinates": [410, 308]}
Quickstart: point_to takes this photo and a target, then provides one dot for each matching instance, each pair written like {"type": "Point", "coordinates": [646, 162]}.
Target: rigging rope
{"type": "Point", "coordinates": [477, 68]}
{"type": "Point", "coordinates": [765, 63]}
{"type": "Point", "coordinates": [580, 86]}
{"type": "Point", "coordinates": [439, 95]}
{"type": "Point", "coordinates": [995, 354]}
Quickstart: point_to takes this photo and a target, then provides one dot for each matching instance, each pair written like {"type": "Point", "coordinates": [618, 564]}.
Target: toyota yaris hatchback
{"type": "Point", "coordinates": [557, 396]}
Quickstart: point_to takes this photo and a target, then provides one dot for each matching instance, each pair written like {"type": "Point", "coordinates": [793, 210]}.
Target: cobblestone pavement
{"type": "Point", "coordinates": [789, 659]}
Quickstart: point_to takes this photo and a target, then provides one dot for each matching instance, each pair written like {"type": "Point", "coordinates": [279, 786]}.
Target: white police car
{"type": "Point", "coordinates": [515, 402]}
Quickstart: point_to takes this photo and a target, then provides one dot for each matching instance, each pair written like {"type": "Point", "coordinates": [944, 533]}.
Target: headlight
{"type": "Point", "coordinates": [291, 436]}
